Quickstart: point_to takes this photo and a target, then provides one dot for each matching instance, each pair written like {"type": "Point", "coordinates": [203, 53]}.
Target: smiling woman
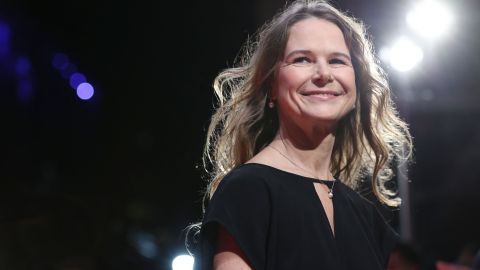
{"type": "Point", "coordinates": [315, 82]}
{"type": "Point", "coordinates": [302, 118]}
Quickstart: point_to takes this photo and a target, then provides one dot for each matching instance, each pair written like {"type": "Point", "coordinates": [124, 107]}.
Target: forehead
{"type": "Point", "coordinates": [316, 35]}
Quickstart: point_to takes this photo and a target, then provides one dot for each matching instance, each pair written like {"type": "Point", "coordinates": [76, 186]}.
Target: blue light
{"type": "Point", "coordinates": [22, 66]}
{"type": "Point", "coordinates": [144, 243]}
{"type": "Point", "coordinates": [85, 91]}
{"type": "Point", "coordinates": [60, 61]}
{"type": "Point", "coordinates": [183, 262]}
{"type": "Point", "coordinates": [4, 39]}
{"type": "Point", "coordinates": [4, 33]}
{"type": "Point", "coordinates": [25, 90]}
{"type": "Point", "coordinates": [68, 70]}
{"type": "Point", "coordinates": [76, 79]}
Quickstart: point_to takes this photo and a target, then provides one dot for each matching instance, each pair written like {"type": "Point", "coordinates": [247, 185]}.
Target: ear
{"type": "Point", "coordinates": [271, 95]}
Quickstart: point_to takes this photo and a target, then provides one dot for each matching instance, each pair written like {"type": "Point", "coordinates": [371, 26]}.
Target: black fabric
{"type": "Point", "coordinates": [279, 223]}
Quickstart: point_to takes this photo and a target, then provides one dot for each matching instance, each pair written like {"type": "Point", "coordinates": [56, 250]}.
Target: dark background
{"type": "Point", "coordinates": [111, 183]}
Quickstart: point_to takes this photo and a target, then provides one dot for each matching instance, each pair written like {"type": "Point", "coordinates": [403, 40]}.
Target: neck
{"type": "Point", "coordinates": [311, 150]}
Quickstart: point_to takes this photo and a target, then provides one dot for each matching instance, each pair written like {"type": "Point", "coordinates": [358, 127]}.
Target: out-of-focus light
{"type": "Point", "coordinates": [4, 33]}
{"type": "Point", "coordinates": [85, 91]}
{"type": "Point", "coordinates": [144, 243]}
{"type": "Point", "coordinates": [183, 262]}
{"type": "Point", "coordinates": [68, 70]}
{"type": "Point", "coordinates": [25, 90]}
{"type": "Point", "coordinates": [403, 55]}
{"type": "Point", "coordinates": [76, 79]}
{"type": "Point", "coordinates": [430, 18]}
{"type": "Point", "coordinates": [22, 66]}
{"type": "Point", "coordinates": [4, 39]}
{"type": "Point", "coordinates": [60, 61]}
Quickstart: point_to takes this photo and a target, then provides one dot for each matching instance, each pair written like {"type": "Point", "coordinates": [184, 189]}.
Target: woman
{"type": "Point", "coordinates": [302, 118]}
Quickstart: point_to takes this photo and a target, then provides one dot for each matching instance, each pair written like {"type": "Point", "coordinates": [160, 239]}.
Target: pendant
{"type": "Point", "coordinates": [330, 194]}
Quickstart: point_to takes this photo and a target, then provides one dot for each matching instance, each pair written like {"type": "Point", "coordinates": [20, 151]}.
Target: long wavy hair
{"type": "Point", "coordinates": [367, 139]}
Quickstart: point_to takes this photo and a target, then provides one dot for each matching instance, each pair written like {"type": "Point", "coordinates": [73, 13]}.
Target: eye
{"type": "Point", "coordinates": [301, 60]}
{"type": "Point", "coordinates": [337, 61]}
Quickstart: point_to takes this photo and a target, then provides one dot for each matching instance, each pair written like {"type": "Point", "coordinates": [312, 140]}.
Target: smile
{"type": "Point", "coordinates": [326, 94]}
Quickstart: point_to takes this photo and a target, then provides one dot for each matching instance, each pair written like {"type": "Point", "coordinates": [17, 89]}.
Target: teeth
{"type": "Point", "coordinates": [321, 94]}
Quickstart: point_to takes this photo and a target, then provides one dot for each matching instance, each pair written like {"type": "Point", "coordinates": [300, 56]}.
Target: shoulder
{"type": "Point", "coordinates": [246, 176]}
{"type": "Point", "coordinates": [243, 194]}
{"type": "Point", "coordinates": [354, 195]}
{"type": "Point", "coordinates": [372, 211]}
{"type": "Point", "coordinates": [246, 181]}
{"type": "Point", "coordinates": [359, 202]}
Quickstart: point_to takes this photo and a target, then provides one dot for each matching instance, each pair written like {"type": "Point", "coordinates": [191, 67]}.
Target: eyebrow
{"type": "Point", "coordinates": [310, 52]}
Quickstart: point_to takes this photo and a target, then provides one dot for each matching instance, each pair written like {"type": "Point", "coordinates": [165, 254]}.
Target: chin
{"type": "Point", "coordinates": [328, 116]}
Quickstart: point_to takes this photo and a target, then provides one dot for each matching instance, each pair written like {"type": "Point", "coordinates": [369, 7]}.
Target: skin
{"type": "Point", "coordinates": [314, 88]}
{"type": "Point", "coordinates": [315, 82]}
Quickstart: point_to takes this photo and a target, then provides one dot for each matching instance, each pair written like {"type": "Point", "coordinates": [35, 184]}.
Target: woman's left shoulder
{"type": "Point", "coordinates": [365, 204]}
{"type": "Point", "coordinates": [373, 215]}
{"type": "Point", "coordinates": [355, 196]}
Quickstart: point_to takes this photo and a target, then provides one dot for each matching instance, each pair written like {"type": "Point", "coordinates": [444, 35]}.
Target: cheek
{"type": "Point", "coordinates": [347, 79]}
{"type": "Point", "coordinates": [351, 79]}
{"type": "Point", "coordinates": [353, 85]}
{"type": "Point", "coordinates": [279, 85]}
{"type": "Point", "coordinates": [289, 80]}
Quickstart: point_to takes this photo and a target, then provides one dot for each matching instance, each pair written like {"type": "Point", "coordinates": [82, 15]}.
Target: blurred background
{"type": "Point", "coordinates": [105, 104]}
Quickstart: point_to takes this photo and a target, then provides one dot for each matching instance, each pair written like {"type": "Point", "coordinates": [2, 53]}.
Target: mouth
{"type": "Point", "coordinates": [322, 93]}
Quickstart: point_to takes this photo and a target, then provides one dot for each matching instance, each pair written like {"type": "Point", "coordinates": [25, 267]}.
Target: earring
{"type": "Point", "coordinates": [271, 104]}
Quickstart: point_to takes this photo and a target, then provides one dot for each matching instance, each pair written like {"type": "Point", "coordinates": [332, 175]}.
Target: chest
{"type": "Point", "coordinates": [304, 212]}
{"type": "Point", "coordinates": [326, 203]}
{"type": "Point", "coordinates": [309, 227]}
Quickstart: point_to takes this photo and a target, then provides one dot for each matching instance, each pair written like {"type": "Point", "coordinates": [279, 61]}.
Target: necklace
{"type": "Point", "coordinates": [330, 189]}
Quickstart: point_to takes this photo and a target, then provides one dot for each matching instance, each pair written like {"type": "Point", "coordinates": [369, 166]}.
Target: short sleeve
{"type": "Point", "coordinates": [241, 204]}
{"type": "Point", "coordinates": [387, 236]}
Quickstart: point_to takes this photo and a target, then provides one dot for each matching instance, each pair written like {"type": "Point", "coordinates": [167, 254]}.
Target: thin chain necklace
{"type": "Point", "coordinates": [330, 190]}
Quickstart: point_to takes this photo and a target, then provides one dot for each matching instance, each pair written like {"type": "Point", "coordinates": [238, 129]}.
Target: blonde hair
{"type": "Point", "coordinates": [367, 139]}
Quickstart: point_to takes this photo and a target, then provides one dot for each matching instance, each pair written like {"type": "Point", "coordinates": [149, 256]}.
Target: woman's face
{"type": "Point", "coordinates": [315, 81]}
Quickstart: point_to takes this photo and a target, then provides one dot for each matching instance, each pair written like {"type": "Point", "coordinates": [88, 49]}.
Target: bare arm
{"type": "Point", "coordinates": [229, 256]}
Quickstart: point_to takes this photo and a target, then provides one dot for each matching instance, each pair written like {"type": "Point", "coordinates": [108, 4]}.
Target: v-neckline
{"type": "Point", "coordinates": [323, 211]}
{"type": "Point", "coordinates": [311, 183]}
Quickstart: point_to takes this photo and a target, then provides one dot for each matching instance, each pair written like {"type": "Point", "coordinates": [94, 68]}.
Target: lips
{"type": "Point", "coordinates": [321, 93]}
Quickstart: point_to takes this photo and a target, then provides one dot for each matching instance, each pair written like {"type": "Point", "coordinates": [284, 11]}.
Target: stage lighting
{"type": "Point", "coordinates": [183, 262]}
{"type": "Point", "coordinates": [430, 18]}
{"type": "Point", "coordinates": [22, 66]}
{"type": "Point", "coordinates": [60, 61]}
{"type": "Point", "coordinates": [85, 91]}
{"type": "Point", "coordinates": [4, 39]}
{"type": "Point", "coordinates": [403, 55]}
{"type": "Point", "coordinates": [76, 79]}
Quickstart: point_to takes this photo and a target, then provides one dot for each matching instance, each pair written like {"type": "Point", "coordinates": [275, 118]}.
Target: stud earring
{"type": "Point", "coordinates": [271, 104]}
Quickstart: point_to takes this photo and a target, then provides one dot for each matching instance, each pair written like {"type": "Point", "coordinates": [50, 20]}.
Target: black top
{"type": "Point", "coordinates": [279, 222]}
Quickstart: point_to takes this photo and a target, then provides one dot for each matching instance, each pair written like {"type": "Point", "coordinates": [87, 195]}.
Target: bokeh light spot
{"type": "Point", "coordinates": [68, 71]}
{"type": "Point", "coordinates": [430, 18]}
{"type": "Point", "coordinates": [85, 91]}
{"type": "Point", "coordinates": [183, 262]}
{"type": "Point", "coordinates": [25, 90]}
{"type": "Point", "coordinates": [403, 56]}
{"type": "Point", "coordinates": [76, 79]}
{"type": "Point", "coordinates": [60, 61]}
{"type": "Point", "coordinates": [4, 39]}
{"type": "Point", "coordinates": [22, 66]}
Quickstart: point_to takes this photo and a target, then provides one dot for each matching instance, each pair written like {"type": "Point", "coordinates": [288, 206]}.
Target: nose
{"type": "Point", "coordinates": [322, 73]}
